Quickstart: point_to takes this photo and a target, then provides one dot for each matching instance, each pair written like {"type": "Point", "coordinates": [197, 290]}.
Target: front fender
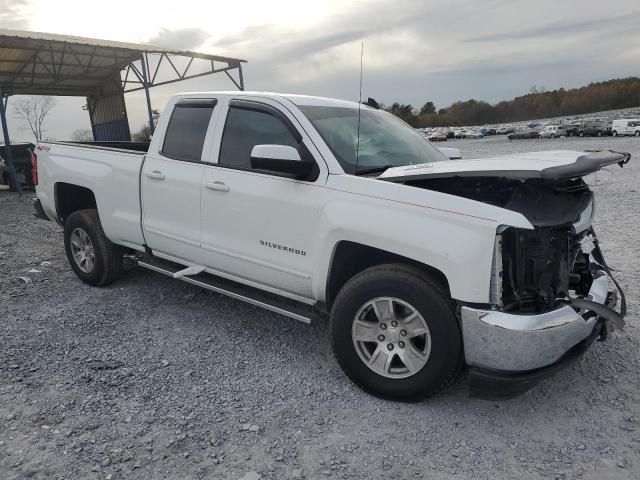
{"type": "Point", "coordinates": [432, 228]}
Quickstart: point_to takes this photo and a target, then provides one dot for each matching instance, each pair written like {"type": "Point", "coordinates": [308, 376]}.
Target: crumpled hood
{"type": "Point", "coordinates": [550, 165]}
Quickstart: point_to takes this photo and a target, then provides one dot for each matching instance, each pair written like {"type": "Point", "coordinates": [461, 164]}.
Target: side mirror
{"type": "Point", "coordinates": [451, 153]}
{"type": "Point", "coordinates": [280, 159]}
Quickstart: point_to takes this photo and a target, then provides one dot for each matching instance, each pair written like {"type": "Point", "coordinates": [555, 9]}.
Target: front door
{"type": "Point", "coordinates": [256, 225]}
{"type": "Point", "coordinates": [171, 182]}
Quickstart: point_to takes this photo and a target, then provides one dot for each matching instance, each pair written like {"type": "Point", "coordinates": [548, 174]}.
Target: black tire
{"type": "Point", "coordinates": [581, 133]}
{"type": "Point", "coordinates": [599, 133]}
{"type": "Point", "coordinates": [637, 133]}
{"type": "Point", "coordinates": [108, 264]}
{"type": "Point", "coordinates": [415, 287]}
{"type": "Point", "coordinates": [614, 133]}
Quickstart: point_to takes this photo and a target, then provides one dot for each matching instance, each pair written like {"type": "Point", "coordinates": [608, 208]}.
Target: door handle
{"type": "Point", "coordinates": [156, 174]}
{"type": "Point", "coordinates": [219, 186]}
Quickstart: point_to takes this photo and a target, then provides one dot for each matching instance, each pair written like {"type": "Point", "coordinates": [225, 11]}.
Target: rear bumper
{"type": "Point", "coordinates": [508, 354]}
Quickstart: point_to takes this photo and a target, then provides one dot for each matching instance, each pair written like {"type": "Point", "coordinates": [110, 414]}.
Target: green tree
{"type": "Point", "coordinates": [404, 111]}
{"type": "Point", "coordinates": [428, 107]}
{"type": "Point", "coordinates": [538, 103]}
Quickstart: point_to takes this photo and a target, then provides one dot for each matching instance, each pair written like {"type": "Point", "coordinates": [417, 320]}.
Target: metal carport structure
{"type": "Point", "coordinates": [35, 63]}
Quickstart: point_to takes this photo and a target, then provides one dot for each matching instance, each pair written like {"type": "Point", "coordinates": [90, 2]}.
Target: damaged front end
{"type": "Point", "coordinates": [548, 267]}
{"type": "Point", "coordinates": [549, 294]}
{"type": "Point", "coordinates": [553, 264]}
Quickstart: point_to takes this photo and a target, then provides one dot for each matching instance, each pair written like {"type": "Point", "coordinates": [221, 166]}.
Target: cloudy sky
{"type": "Point", "coordinates": [414, 50]}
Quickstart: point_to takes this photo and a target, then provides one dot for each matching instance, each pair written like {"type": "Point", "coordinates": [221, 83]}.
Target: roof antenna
{"type": "Point", "coordinates": [359, 106]}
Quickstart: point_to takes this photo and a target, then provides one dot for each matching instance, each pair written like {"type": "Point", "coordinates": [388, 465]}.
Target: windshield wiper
{"type": "Point", "coordinates": [378, 169]}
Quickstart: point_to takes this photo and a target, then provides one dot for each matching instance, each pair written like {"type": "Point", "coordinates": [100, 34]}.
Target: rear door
{"type": "Point", "coordinates": [258, 226]}
{"type": "Point", "coordinates": [628, 128]}
{"type": "Point", "coordinates": [171, 177]}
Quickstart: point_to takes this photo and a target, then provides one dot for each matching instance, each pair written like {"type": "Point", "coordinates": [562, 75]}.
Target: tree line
{"type": "Point", "coordinates": [538, 103]}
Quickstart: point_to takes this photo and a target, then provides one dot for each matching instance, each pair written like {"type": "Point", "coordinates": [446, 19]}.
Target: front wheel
{"type": "Point", "coordinates": [395, 334]}
{"type": "Point", "coordinates": [637, 133]}
{"type": "Point", "coordinates": [92, 256]}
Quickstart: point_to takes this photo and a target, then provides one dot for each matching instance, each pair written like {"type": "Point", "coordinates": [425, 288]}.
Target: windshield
{"type": "Point", "coordinates": [385, 141]}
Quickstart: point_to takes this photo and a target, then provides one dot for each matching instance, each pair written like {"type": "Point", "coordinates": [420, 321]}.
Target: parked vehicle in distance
{"type": "Point", "coordinates": [552, 131]}
{"type": "Point", "coordinates": [628, 126]}
{"type": "Point", "coordinates": [437, 137]}
{"type": "Point", "coordinates": [592, 129]}
{"type": "Point", "coordinates": [523, 135]}
{"type": "Point", "coordinates": [21, 154]}
{"type": "Point", "coordinates": [571, 129]}
{"type": "Point", "coordinates": [505, 130]}
{"type": "Point", "coordinates": [423, 264]}
{"type": "Point", "coordinates": [472, 134]}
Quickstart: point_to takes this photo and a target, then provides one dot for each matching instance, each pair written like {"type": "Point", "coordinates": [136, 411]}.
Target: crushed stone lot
{"type": "Point", "coordinates": [153, 378]}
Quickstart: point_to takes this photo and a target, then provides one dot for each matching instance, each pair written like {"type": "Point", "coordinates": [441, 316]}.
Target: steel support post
{"type": "Point", "coordinates": [7, 143]}
{"type": "Point", "coordinates": [145, 81]}
{"type": "Point", "coordinates": [240, 77]}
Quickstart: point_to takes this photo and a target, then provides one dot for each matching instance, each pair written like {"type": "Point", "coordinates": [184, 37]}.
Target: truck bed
{"type": "Point", "coordinates": [109, 170]}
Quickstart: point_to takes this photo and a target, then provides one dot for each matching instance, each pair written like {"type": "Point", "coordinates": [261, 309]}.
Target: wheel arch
{"type": "Point", "coordinates": [350, 258]}
{"type": "Point", "coordinates": [70, 198]}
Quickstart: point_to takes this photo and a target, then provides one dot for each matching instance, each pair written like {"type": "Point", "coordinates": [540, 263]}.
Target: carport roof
{"type": "Point", "coordinates": [35, 63]}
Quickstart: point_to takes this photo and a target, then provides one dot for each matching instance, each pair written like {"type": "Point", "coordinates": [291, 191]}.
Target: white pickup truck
{"type": "Point", "coordinates": [309, 206]}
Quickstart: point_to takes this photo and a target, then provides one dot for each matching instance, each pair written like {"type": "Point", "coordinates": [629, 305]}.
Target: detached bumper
{"type": "Point", "coordinates": [507, 354]}
{"type": "Point", "coordinates": [502, 385]}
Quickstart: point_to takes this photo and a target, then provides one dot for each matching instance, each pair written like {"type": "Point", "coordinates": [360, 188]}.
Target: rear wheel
{"type": "Point", "coordinates": [92, 256]}
{"type": "Point", "coordinates": [395, 334]}
{"type": "Point", "coordinates": [637, 133]}
{"type": "Point", "coordinates": [599, 133]}
{"type": "Point", "coordinates": [614, 133]}
{"type": "Point", "coordinates": [581, 133]}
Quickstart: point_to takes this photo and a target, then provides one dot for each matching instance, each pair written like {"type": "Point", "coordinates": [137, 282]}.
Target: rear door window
{"type": "Point", "coordinates": [187, 128]}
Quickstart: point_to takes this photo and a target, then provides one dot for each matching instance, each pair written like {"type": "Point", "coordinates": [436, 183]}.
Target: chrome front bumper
{"type": "Point", "coordinates": [507, 342]}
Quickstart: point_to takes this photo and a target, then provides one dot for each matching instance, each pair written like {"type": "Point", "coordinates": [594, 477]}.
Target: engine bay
{"type": "Point", "coordinates": [543, 202]}
{"type": "Point", "coordinates": [537, 268]}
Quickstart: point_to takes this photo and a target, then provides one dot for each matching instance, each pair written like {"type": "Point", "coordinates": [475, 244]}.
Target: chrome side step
{"type": "Point", "coordinates": [234, 290]}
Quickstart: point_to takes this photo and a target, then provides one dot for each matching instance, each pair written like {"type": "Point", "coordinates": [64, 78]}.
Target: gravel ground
{"type": "Point", "coordinates": [153, 378]}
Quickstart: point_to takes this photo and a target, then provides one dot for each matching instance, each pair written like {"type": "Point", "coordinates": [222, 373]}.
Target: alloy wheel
{"type": "Point", "coordinates": [391, 337]}
{"type": "Point", "coordinates": [82, 250]}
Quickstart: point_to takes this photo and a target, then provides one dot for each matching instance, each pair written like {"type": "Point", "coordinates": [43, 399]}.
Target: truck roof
{"type": "Point", "coordinates": [295, 98]}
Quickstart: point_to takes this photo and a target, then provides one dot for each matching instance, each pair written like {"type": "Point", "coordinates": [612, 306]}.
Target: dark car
{"type": "Point", "coordinates": [523, 135]}
{"type": "Point", "coordinates": [21, 154]}
{"type": "Point", "coordinates": [572, 129]}
{"type": "Point", "coordinates": [593, 129]}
